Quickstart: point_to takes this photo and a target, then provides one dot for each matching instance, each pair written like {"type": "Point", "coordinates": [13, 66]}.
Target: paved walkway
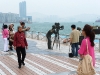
{"type": "Point", "coordinates": [41, 61]}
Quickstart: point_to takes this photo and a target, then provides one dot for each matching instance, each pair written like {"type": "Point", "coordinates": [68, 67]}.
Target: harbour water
{"type": "Point", "coordinates": [45, 26]}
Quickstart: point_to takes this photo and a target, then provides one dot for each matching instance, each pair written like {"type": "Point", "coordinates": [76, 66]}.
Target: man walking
{"type": "Point", "coordinates": [74, 40]}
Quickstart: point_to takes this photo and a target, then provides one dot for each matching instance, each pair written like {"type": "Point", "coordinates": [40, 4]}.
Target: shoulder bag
{"type": "Point", "coordinates": [70, 52]}
{"type": "Point", "coordinates": [85, 66]}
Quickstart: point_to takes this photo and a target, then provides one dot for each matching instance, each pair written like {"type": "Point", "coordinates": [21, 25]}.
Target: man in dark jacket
{"type": "Point", "coordinates": [48, 35]}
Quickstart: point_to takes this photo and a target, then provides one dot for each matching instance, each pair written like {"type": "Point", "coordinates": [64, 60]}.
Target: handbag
{"type": "Point", "coordinates": [70, 54]}
{"type": "Point", "coordinates": [85, 66]}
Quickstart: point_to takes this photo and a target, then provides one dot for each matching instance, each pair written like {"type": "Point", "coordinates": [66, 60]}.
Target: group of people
{"type": "Point", "coordinates": [78, 47]}
{"type": "Point", "coordinates": [87, 42]}
{"type": "Point", "coordinates": [17, 40]}
{"type": "Point", "coordinates": [8, 36]}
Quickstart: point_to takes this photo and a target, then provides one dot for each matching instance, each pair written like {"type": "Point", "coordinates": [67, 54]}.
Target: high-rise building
{"type": "Point", "coordinates": [22, 12]}
{"type": "Point", "coordinates": [22, 9]}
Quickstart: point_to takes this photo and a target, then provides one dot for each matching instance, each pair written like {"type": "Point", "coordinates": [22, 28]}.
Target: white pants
{"type": "Point", "coordinates": [5, 44]}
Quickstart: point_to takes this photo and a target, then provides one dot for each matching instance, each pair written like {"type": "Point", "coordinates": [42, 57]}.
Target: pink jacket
{"type": "Point", "coordinates": [83, 49]}
{"type": "Point", "coordinates": [5, 33]}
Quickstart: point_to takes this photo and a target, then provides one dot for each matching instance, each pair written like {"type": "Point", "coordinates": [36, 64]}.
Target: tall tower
{"type": "Point", "coordinates": [22, 9]}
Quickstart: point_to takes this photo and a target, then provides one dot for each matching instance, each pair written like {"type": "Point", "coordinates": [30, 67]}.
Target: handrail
{"type": "Point", "coordinates": [42, 36]}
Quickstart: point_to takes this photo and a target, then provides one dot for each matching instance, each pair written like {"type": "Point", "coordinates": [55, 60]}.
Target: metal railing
{"type": "Point", "coordinates": [42, 36]}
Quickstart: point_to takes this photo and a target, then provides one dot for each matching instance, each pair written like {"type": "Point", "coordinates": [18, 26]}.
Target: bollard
{"type": "Point", "coordinates": [32, 34]}
{"type": "Point", "coordinates": [99, 44]}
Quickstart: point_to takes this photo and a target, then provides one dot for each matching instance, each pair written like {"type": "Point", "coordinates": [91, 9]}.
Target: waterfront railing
{"type": "Point", "coordinates": [42, 36]}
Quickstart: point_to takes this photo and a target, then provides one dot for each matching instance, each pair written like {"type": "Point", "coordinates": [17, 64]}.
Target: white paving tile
{"type": "Point", "coordinates": [36, 70]}
{"type": "Point", "coordinates": [38, 65]}
{"type": "Point", "coordinates": [61, 61]}
{"type": "Point", "coordinates": [2, 73]}
{"type": "Point", "coordinates": [13, 73]}
{"type": "Point", "coordinates": [55, 62]}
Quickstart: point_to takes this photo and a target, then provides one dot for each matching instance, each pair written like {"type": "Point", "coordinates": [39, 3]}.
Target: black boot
{"type": "Point", "coordinates": [11, 48]}
{"type": "Point", "coordinates": [23, 63]}
{"type": "Point", "coordinates": [19, 66]}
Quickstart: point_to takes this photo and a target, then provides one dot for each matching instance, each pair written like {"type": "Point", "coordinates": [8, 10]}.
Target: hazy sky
{"type": "Point", "coordinates": [62, 8]}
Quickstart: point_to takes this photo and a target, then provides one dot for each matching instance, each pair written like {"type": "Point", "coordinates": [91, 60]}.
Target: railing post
{"type": "Point", "coordinates": [32, 34]}
{"type": "Point", "coordinates": [38, 36]}
{"type": "Point", "coordinates": [99, 44]}
{"type": "Point", "coordinates": [26, 35]}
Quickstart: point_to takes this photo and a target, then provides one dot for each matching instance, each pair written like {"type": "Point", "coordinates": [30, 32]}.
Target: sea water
{"type": "Point", "coordinates": [45, 26]}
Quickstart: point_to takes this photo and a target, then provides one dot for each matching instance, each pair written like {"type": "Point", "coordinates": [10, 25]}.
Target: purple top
{"type": "Point", "coordinates": [83, 49]}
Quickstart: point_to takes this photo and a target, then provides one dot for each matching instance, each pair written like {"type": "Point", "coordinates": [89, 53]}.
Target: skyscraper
{"type": "Point", "coordinates": [22, 9]}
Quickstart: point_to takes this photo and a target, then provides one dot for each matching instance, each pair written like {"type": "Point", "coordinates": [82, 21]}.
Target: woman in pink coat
{"type": "Point", "coordinates": [89, 36]}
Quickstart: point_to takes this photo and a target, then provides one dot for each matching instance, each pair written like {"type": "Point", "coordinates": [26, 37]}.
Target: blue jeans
{"type": "Point", "coordinates": [75, 49]}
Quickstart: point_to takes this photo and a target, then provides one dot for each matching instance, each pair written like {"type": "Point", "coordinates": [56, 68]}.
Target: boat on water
{"type": "Point", "coordinates": [97, 20]}
{"type": "Point", "coordinates": [79, 21]}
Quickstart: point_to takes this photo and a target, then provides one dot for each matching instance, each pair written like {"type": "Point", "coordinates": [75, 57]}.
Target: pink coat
{"type": "Point", "coordinates": [83, 49]}
{"type": "Point", "coordinates": [5, 33]}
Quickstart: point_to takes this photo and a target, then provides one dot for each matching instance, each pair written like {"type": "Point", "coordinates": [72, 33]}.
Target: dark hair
{"type": "Point", "coordinates": [73, 26]}
{"type": "Point", "coordinates": [22, 23]}
{"type": "Point", "coordinates": [78, 28]}
{"type": "Point", "coordinates": [5, 26]}
{"type": "Point", "coordinates": [89, 33]}
{"type": "Point", "coordinates": [10, 28]}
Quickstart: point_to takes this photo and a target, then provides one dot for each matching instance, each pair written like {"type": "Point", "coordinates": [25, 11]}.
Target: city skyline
{"type": "Point", "coordinates": [62, 9]}
{"type": "Point", "coordinates": [15, 18]}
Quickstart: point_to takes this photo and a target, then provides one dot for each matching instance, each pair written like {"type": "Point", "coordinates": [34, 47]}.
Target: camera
{"type": "Point", "coordinates": [57, 26]}
{"type": "Point", "coordinates": [78, 28]}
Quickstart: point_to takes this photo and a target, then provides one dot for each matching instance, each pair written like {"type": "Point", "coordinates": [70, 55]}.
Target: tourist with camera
{"type": "Point", "coordinates": [24, 29]}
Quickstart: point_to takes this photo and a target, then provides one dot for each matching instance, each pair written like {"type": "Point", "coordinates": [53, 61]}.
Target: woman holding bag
{"type": "Point", "coordinates": [86, 50]}
{"type": "Point", "coordinates": [89, 36]}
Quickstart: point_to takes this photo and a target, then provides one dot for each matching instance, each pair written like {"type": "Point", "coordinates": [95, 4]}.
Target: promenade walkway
{"type": "Point", "coordinates": [41, 61]}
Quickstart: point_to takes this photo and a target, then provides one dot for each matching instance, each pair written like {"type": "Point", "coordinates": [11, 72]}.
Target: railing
{"type": "Point", "coordinates": [42, 36]}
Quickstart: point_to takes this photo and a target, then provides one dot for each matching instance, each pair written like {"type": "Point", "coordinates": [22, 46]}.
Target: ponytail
{"type": "Point", "coordinates": [90, 33]}
{"type": "Point", "coordinates": [92, 37]}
